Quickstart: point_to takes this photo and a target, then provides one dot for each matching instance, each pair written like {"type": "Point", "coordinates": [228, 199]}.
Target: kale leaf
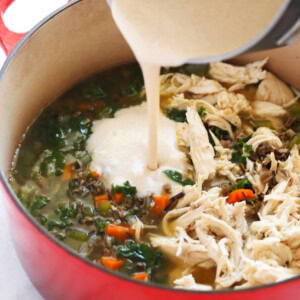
{"type": "Point", "coordinates": [179, 115]}
{"type": "Point", "coordinates": [176, 115]}
{"type": "Point", "coordinates": [177, 177]}
{"type": "Point", "coordinates": [53, 164]}
{"type": "Point", "coordinates": [38, 203]}
{"type": "Point", "coordinates": [101, 224]}
{"type": "Point", "coordinates": [242, 150]}
{"type": "Point", "coordinates": [128, 190]}
{"type": "Point", "coordinates": [152, 258]}
{"type": "Point", "coordinates": [242, 184]}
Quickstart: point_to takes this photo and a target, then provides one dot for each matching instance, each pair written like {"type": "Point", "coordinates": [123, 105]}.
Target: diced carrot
{"type": "Point", "coordinates": [100, 104]}
{"type": "Point", "coordinates": [161, 203]}
{"type": "Point", "coordinates": [95, 174]}
{"type": "Point", "coordinates": [67, 173]}
{"type": "Point", "coordinates": [140, 276]}
{"type": "Point", "coordinates": [120, 231]}
{"type": "Point", "coordinates": [238, 195]}
{"type": "Point", "coordinates": [83, 106]}
{"type": "Point", "coordinates": [111, 263]}
{"type": "Point", "coordinates": [101, 198]}
{"type": "Point", "coordinates": [118, 197]}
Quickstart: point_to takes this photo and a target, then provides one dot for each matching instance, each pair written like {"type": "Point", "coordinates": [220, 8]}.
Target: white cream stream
{"type": "Point", "coordinates": [119, 149]}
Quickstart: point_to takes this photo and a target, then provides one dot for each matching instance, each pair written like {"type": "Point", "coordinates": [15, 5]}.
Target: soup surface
{"type": "Point", "coordinates": [222, 209]}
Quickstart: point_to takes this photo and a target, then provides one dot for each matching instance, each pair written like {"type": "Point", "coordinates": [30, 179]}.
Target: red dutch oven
{"type": "Point", "coordinates": [72, 43]}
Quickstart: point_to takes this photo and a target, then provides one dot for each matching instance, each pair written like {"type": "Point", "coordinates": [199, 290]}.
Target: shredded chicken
{"type": "Point", "coordinates": [264, 135]}
{"type": "Point", "coordinates": [238, 77]}
{"type": "Point", "coordinates": [274, 90]}
{"type": "Point", "coordinates": [267, 109]}
{"type": "Point", "coordinates": [188, 282]}
{"type": "Point", "coordinates": [202, 229]}
{"type": "Point", "coordinates": [176, 83]}
{"type": "Point", "coordinates": [202, 152]}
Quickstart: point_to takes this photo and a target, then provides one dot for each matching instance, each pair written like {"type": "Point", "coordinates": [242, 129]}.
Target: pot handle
{"type": "Point", "coordinates": [8, 38]}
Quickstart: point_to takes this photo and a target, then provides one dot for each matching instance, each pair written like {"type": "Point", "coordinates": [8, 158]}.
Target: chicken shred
{"type": "Point", "coordinates": [237, 77]}
{"type": "Point", "coordinates": [274, 90]}
{"type": "Point", "coordinates": [202, 152]}
{"type": "Point", "coordinates": [203, 230]}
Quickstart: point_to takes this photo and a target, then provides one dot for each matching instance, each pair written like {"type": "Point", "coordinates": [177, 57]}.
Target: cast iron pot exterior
{"type": "Point", "coordinates": [59, 273]}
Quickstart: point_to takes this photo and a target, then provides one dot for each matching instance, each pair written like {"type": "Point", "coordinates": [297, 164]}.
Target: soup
{"type": "Point", "coordinates": [222, 209]}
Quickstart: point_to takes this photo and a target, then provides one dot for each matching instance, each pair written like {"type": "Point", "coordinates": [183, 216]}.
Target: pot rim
{"type": "Point", "coordinates": [69, 251]}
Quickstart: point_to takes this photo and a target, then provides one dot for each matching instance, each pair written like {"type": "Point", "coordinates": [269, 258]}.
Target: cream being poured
{"type": "Point", "coordinates": [172, 32]}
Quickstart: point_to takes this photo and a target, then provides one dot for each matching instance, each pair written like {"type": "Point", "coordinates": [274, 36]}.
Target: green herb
{"type": "Point", "coordinates": [242, 142]}
{"type": "Point", "coordinates": [101, 224]}
{"type": "Point", "coordinates": [177, 177]}
{"type": "Point", "coordinates": [68, 212]}
{"type": "Point", "coordinates": [152, 258]}
{"type": "Point", "coordinates": [126, 189]}
{"type": "Point", "coordinates": [53, 164]}
{"type": "Point", "coordinates": [220, 134]}
{"type": "Point", "coordinates": [61, 236]}
{"type": "Point", "coordinates": [133, 89]}
{"type": "Point", "coordinates": [242, 184]}
{"type": "Point", "coordinates": [38, 203]}
{"type": "Point", "coordinates": [202, 112]}
{"type": "Point", "coordinates": [43, 220]}
{"type": "Point", "coordinates": [93, 91]}
{"type": "Point", "coordinates": [50, 132]}
{"type": "Point", "coordinates": [58, 224]}
{"type": "Point", "coordinates": [242, 150]}
{"type": "Point", "coordinates": [176, 115]}
{"type": "Point", "coordinates": [180, 115]}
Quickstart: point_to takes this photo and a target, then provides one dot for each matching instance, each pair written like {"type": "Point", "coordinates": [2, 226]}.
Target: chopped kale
{"type": "Point", "coordinates": [242, 184]}
{"type": "Point", "coordinates": [38, 203]}
{"type": "Point", "coordinates": [176, 115]}
{"type": "Point", "coordinates": [142, 253]}
{"type": "Point", "coordinates": [241, 142]}
{"type": "Point", "coordinates": [53, 164]}
{"type": "Point", "coordinates": [126, 189]}
{"type": "Point", "coordinates": [133, 89]}
{"type": "Point", "coordinates": [202, 112]}
{"type": "Point", "coordinates": [242, 150]}
{"type": "Point", "coordinates": [101, 224]}
{"type": "Point", "coordinates": [180, 115]}
{"type": "Point", "coordinates": [93, 92]}
{"type": "Point", "coordinates": [177, 177]}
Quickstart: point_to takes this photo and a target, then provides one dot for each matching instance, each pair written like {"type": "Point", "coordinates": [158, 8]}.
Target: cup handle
{"type": "Point", "coordinates": [8, 38]}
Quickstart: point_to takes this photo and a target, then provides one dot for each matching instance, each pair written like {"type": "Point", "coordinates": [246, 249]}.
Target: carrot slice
{"type": "Point", "coordinates": [119, 231]}
{"type": "Point", "coordinates": [111, 263]}
{"type": "Point", "coordinates": [101, 198]}
{"type": "Point", "coordinates": [239, 195]}
{"type": "Point", "coordinates": [118, 197]}
{"type": "Point", "coordinates": [160, 204]}
{"type": "Point", "coordinates": [140, 276]}
{"type": "Point", "coordinates": [83, 106]}
{"type": "Point", "coordinates": [67, 173]}
{"type": "Point", "coordinates": [95, 174]}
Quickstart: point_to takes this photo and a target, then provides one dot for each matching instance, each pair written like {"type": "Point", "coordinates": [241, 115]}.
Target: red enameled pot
{"type": "Point", "coordinates": [72, 43]}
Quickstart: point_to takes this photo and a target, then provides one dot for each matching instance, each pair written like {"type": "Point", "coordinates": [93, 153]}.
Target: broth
{"type": "Point", "coordinates": [113, 223]}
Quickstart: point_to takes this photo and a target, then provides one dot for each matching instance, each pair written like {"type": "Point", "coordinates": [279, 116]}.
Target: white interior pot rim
{"type": "Point", "coordinates": [39, 227]}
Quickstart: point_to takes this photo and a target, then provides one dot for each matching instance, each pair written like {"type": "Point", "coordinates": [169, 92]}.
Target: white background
{"type": "Point", "coordinates": [21, 16]}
